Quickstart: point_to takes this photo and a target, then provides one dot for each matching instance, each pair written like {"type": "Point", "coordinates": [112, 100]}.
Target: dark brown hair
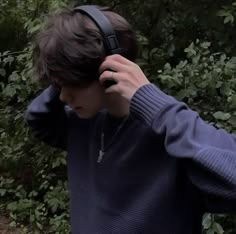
{"type": "Point", "coordinates": [70, 48]}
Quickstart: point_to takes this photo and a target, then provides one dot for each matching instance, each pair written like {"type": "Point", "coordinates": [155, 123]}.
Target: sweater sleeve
{"type": "Point", "coordinates": [207, 153]}
{"type": "Point", "coordinates": [47, 118]}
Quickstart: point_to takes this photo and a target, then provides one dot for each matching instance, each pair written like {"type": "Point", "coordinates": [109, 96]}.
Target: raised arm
{"type": "Point", "coordinates": [207, 153]}
{"type": "Point", "coordinates": [47, 118]}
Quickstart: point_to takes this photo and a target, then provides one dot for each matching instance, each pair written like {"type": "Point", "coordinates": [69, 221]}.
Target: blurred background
{"type": "Point", "coordinates": [186, 47]}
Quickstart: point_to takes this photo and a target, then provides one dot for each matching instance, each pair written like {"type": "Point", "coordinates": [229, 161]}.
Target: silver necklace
{"type": "Point", "coordinates": [102, 142]}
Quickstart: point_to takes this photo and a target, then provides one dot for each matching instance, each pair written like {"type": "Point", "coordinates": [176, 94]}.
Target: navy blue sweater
{"type": "Point", "coordinates": [165, 168]}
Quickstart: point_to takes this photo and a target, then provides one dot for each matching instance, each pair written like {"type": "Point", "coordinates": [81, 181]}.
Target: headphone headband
{"type": "Point", "coordinates": [110, 40]}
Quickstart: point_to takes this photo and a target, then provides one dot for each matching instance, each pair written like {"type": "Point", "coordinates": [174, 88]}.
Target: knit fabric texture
{"type": "Point", "coordinates": [164, 169]}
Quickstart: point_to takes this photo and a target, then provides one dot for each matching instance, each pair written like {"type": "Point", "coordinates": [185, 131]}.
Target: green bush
{"type": "Point", "coordinates": [33, 184]}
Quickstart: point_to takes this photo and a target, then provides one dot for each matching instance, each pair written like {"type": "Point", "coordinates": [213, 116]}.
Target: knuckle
{"type": "Point", "coordinates": [116, 56]}
{"type": "Point", "coordinates": [131, 71]}
{"type": "Point", "coordinates": [107, 73]}
{"type": "Point", "coordinates": [106, 63]}
{"type": "Point", "coordinates": [104, 74]}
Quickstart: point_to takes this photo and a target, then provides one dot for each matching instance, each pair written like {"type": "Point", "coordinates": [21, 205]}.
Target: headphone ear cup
{"type": "Point", "coordinates": [109, 82]}
{"type": "Point", "coordinates": [110, 41]}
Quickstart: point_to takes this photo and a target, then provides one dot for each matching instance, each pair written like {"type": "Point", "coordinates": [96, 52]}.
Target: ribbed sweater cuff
{"type": "Point", "coordinates": [148, 101]}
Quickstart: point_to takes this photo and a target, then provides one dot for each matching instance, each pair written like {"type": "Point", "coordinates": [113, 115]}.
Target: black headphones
{"type": "Point", "coordinates": [111, 43]}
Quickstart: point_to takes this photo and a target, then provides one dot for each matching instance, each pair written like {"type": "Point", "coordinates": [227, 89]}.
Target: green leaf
{"type": "Point", "coordinates": [2, 72]}
{"type": "Point", "coordinates": [207, 221]}
{"type": "Point", "coordinates": [13, 77]}
{"type": "Point", "coordinates": [8, 59]}
{"type": "Point", "coordinates": [219, 84]}
{"type": "Point", "coordinates": [182, 64]}
{"type": "Point", "coordinates": [167, 66]}
{"type": "Point", "coordinates": [12, 206]}
{"type": "Point", "coordinates": [205, 45]}
{"type": "Point", "coordinates": [39, 225]}
{"type": "Point", "coordinates": [9, 91]}
{"type": "Point", "coordinates": [221, 115]}
{"type": "Point", "coordinates": [233, 102]}
{"type": "Point", "coordinates": [218, 228]}
{"type": "Point", "coordinates": [228, 19]}
{"type": "Point", "coordinates": [222, 13]}
{"type": "Point", "coordinates": [2, 192]}
{"type": "Point", "coordinates": [210, 231]}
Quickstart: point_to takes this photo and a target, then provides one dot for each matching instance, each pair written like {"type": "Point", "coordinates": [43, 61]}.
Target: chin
{"type": "Point", "coordinates": [85, 115]}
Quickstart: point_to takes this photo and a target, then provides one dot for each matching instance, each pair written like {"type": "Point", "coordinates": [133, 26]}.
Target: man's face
{"type": "Point", "coordinates": [86, 101]}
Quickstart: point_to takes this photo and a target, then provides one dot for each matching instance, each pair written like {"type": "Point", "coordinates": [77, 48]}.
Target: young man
{"type": "Point", "coordinates": [139, 161]}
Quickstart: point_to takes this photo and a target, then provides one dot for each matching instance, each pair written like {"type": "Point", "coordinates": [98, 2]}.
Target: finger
{"type": "Point", "coordinates": [119, 58]}
{"type": "Point", "coordinates": [109, 75]}
{"type": "Point", "coordinates": [113, 89]}
{"type": "Point", "coordinates": [112, 65]}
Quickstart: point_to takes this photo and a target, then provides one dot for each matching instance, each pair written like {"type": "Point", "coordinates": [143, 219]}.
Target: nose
{"type": "Point", "coordinates": [65, 96]}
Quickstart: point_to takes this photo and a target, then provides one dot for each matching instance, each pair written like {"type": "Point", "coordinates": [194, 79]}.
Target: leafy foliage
{"type": "Point", "coordinates": [200, 72]}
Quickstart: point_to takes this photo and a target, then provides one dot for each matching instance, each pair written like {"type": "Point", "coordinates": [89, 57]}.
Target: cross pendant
{"type": "Point", "coordinates": [100, 157]}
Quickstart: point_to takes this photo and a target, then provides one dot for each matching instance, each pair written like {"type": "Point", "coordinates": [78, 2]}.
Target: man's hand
{"type": "Point", "coordinates": [127, 75]}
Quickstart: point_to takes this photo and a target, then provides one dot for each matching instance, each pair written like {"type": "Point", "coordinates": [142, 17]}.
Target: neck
{"type": "Point", "coordinates": [116, 105]}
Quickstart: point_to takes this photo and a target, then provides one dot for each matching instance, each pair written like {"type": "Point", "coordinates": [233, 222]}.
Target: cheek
{"type": "Point", "coordinates": [95, 99]}
{"type": "Point", "coordinates": [91, 98]}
